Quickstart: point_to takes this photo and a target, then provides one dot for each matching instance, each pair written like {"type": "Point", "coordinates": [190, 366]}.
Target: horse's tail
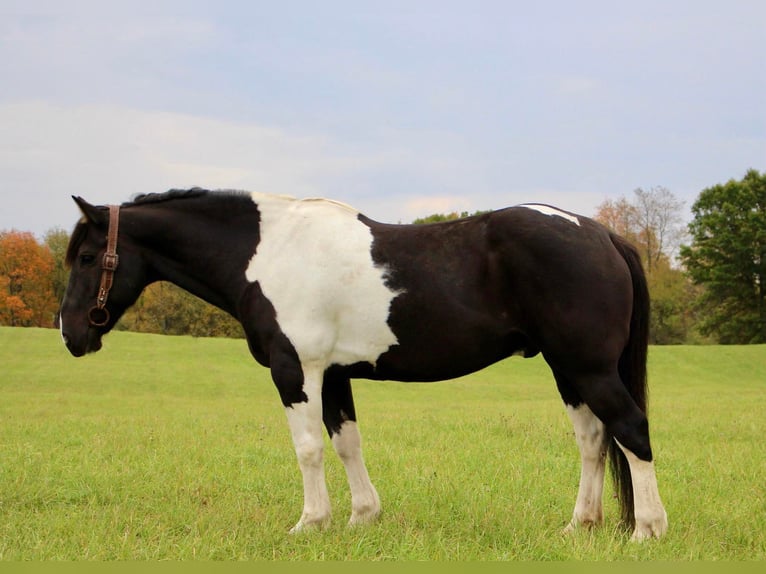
{"type": "Point", "coordinates": [632, 370]}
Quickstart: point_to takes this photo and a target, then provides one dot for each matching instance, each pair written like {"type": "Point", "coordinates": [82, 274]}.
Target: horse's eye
{"type": "Point", "coordinates": [87, 259]}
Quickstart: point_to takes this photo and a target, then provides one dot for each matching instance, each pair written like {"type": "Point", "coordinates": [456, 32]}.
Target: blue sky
{"type": "Point", "coordinates": [399, 108]}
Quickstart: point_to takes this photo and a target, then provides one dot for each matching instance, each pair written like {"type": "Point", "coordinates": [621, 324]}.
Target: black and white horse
{"type": "Point", "coordinates": [325, 294]}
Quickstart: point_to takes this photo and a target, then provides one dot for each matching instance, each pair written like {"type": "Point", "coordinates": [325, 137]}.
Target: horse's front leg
{"type": "Point", "coordinates": [301, 392]}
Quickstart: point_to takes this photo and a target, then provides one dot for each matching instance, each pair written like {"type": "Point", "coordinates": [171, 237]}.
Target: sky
{"type": "Point", "coordinates": [401, 109]}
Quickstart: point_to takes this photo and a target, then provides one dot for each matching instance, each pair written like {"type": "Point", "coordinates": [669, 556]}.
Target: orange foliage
{"type": "Point", "coordinates": [26, 292]}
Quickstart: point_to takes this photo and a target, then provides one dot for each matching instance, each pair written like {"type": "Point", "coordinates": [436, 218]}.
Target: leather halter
{"type": "Point", "coordinates": [98, 315]}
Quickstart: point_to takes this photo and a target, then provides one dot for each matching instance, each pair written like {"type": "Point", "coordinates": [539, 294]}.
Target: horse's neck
{"type": "Point", "coordinates": [207, 270]}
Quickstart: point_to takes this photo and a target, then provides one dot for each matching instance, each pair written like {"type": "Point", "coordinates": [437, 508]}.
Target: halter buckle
{"type": "Point", "coordinates": [110, 261]}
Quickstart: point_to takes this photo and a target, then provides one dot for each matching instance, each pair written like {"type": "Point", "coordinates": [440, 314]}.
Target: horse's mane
{"type": "Point", "coordinates": [173, 194]}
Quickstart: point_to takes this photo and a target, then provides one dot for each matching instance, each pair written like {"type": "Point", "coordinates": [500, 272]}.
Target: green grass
{"type": "Point", "coordinates": [178, 448]}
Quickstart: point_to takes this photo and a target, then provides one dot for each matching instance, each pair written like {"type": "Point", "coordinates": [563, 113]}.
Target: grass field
{"type": "Point", "coordinates": [178, 448]}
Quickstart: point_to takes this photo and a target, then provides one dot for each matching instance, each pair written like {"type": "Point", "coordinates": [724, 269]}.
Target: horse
{"type": "Point", "coordinates": [325, 294]}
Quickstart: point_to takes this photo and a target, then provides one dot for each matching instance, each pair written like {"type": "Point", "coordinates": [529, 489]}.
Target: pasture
{"type": "Point", "coordinates": [178, 448]}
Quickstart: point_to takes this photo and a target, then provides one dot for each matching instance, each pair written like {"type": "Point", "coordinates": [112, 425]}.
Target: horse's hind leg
{"type": "Point", "coordinates": [650, 516]}
{"type": "Point", "coordinates": [625, 422]}
{"type": "Point", "coordinates": [340, 420]}
{"type": "Point", "coordinates": [592, 442]}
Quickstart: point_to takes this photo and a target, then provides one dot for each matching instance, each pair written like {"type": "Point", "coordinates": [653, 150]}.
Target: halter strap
{"type": "Point", "coordinates": [98, 316]}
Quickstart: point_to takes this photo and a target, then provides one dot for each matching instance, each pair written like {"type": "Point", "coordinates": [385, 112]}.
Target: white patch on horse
{"type": "Point", "coordinates": [314, 264]}
{"type": "Point", "coordinates": [548, 210]}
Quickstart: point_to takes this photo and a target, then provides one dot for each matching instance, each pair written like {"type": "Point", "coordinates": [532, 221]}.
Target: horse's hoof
{"type": "Point", "coordinates": [362, 519]}
{"type": "Point", "coordinates": [305, 525]}
{"type": "Point", "coordinates": [580, 525]}
{"type": "Point", "coordinates": [648, 529]}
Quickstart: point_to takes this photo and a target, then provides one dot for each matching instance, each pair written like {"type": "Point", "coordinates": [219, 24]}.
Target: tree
{"type": "Point", "coordinates": [652, 222]}
{"type": "Point", "coordinates": [439, 217]}
{"type": "Point", "coordinates": [620, 216]}
{"type": "Point", "coordinates": [169, 310]}
{"type": "Point", "coordinates": [26, 291]}
{"type": "Point", "coordinates": [727, 256]}
{"type": "Point", "coordinates": [57, 241]}
{"type": "Point", "coordinates": [673, 318]}
{"type": "Point", "coordinates": [659, 223]}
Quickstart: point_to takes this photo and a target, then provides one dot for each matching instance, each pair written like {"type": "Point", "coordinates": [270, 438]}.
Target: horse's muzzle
{"type": "Point", "coordinates": [88, 342]}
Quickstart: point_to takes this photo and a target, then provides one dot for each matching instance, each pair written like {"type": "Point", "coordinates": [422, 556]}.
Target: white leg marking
{"type": "Point", "coordinates": [548, 210]}
{"type": "Point", "coordinates": [651, 518]}
{"type": "Point", "coordinates": [590, 435]}
{"type": "Point", "coordinates": [365, 504]}
{"type": "Point", "coordinates": [305, 420]}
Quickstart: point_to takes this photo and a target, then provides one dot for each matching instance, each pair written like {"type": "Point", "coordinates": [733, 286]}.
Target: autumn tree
{"type": "Point", "coordinates": [727, 258]}
{"type": "Point", "coordinates": [621, 216]}
{"type": "Point", "coordinates": [26, 291]}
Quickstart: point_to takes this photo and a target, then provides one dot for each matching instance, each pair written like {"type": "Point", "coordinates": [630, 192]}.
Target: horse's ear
{"type": "Point", "coordinates": [91, 212]}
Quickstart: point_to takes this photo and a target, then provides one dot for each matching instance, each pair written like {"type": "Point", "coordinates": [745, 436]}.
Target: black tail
{"type": "Point", "coordinates": [632, 370]}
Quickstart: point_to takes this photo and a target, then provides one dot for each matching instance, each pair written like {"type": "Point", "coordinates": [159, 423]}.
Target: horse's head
{"type": "Point", "coordinates": [106, 278]}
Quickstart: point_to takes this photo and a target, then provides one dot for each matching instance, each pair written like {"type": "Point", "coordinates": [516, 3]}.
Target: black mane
{"type": "Point", "coordinates": [173, 194]}
{"type": "Point", "coordinates": [167, 196]}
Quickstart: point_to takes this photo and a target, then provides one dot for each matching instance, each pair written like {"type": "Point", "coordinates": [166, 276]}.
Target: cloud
{"type": "Point", "coordinates": [107, 154]}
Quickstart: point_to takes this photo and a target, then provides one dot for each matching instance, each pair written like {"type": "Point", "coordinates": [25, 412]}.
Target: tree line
{"type": "Point", "coordinates": [707, 278]}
